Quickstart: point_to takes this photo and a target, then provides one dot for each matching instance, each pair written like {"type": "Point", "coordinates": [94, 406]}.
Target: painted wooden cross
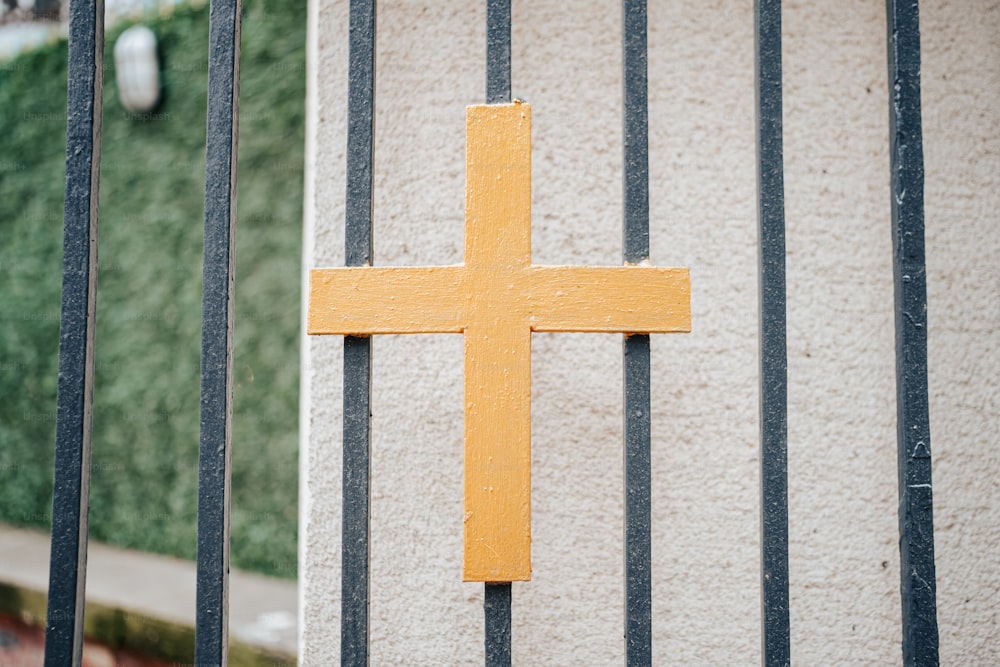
{"type": "Point", "coordinates": [496, 298]}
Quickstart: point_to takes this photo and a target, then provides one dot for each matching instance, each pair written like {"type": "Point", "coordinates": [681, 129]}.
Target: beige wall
{"type": "Point", "coordinates": [842, 458]}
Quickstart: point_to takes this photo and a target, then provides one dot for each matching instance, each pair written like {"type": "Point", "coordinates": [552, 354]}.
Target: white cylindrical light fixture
{"type": "Point", "coordinates": [137, 69]}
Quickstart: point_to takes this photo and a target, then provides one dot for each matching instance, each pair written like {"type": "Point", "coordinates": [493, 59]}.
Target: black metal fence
{"type": "Point", "coordinates": [76, 352]}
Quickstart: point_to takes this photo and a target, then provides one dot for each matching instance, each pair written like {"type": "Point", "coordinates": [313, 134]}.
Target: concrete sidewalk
{"type": "Point", "coordinates": [147, 602]}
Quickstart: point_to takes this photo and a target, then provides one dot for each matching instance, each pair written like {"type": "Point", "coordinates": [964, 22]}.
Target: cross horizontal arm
{"type": "Point", "coordinates": [619, 299]}
{"type": "Point", "coordinates": [368, 300]}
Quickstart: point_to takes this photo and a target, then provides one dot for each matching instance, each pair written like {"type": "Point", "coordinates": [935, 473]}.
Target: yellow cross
{"type": "Point", "coordinates": [496, 299]}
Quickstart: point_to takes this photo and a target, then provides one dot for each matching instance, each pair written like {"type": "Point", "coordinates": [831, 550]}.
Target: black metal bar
{"type": "Point", "coordinates": [497, 614]}
{"type": "Point", "coordinates": [638, 550]}
{"type": "Point", "coordinates": [497, 51]}
{"type": "Point", "coordinates": [635, 248]}
{"type": "Point", "coordinates": [360, 133]}
{"type": "Point", "coordinates": [916, 521]}
{"type": "Point", "coordinates": [71, 492]}
{"type": "Point", "coordinates": [636, 126]}
{"type": "Point", "coordinates": [357, 351]}
{"type": "Point", "coordinates": [356, 482]}
{"type": "Point", "coordinates": [775, 637]}
{"type": "Point", "coordinates": [212, 619]}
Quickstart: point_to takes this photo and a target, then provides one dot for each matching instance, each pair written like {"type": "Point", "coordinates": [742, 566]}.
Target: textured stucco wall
{"type": "Point", "coordinates": [842, 458]}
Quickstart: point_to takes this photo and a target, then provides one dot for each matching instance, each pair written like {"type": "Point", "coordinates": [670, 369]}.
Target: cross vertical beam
{"type": "Point", "coordinates": [497, 345]}
{"type": "Point", "coordinates": [916, 518]}
{"type": "Point", "coordinates": [74, 421]}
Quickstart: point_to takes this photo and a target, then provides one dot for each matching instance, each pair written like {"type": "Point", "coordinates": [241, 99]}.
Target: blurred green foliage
{"type": "Point", "coordinates": [145, 445]}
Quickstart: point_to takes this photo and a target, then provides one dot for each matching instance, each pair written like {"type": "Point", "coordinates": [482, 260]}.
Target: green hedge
{"type": "Point", "coordinates": [145, 447]}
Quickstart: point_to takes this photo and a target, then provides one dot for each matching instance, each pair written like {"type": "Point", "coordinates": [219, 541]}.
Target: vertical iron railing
{"type": "Point", "coordinates": [215, 444]}
{"type": "Point", "coordinates": [357, 350]}
{"type": "Point", "coordinates": [635, 348]}
{"type": "Point", "coordinates": [916, 523]}
{"type": "Point", "coordinates": [497, 595]}
{"type": "Point", "coordinates": [74, 417]}
{"type": "Point", "coordinates": [496, 609]}
{"type": "Point", "coordinates": [498, 52]}
{"type": "Point", "coordinates": [775, 635]}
